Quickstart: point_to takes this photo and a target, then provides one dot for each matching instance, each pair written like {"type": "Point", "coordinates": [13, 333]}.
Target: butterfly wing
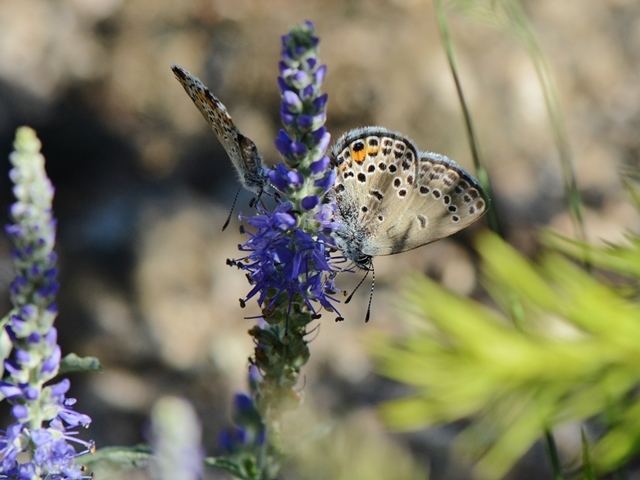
{"type": "Point", "coordinates": [392, 198]}
{"type": "Point", "coordinates": [371, 162]}
{"type": "Point", "coordinates": [442, 199]}
{"type": "Point", "coordinates": [241, 150]}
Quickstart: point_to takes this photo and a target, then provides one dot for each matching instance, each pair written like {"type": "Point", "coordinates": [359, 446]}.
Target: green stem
{"type": "Point", "coordinates": [553, 455]}
{"type": "Point", "coordinates": [481, 171]}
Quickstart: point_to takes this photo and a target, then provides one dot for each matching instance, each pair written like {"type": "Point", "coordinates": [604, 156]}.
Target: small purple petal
{"type": "Point", "coordinates": [60, 388]}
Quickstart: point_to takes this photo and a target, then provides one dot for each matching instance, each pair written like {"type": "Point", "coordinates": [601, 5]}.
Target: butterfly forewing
{"type": "Point", "coordinates": [241, 150]}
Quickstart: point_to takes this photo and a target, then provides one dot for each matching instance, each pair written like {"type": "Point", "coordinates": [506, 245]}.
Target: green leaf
{"type": "Point", "coordinates": [117, 458]}
{"type": "Point", "coordinates": [575, 357]}
{"type": "Point", "coordinates": [228, 466]}
{"type": "Point", "coordinates": [74, 363]}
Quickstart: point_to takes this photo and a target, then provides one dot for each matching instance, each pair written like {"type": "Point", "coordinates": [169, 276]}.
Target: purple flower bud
{"type": "Point", "coordinates": [19, 412]}
{"type": "Point", "coordinates": [305, 122]}
{"type": "Point", "coordinates": [51, 364]}
{"type": "Point", "coordinates": [284, 221]}
{"type": "Point", "coordinates": [307, 92]}
{"type": "Point", "coordinates": [320, 165]}
{"type": "Point", "coordinates": [298, 148]}
{"type": "Point", "coordinates": [320, 102]}
{"type": "Point", "coordinates": [29, 312]}
{"type": "Point", "coordinates": [288, 119]}
{"type": "Point", "coordinates": [34, 338]}
{"type": "Point", "coordinates": [299, 79]}
{"type": "Point", "coordinates": [322, 139]}
{"type": "Point", "coordinates": [310, 202]}
{"type": "Point", "coordinates": [295, 178]}
{"type": "Point", "coordinates": [13, 367]}
{"type": "Point", "coordinates": [292, 102]}
{"type": "Point", "coordinates": [31, 393]}
{"type": "Point", "coordinates": [320, 73]}
{"type": "Point", "coordinates": [242, 403]}
{"type": "Point", "coordinates": [51, 337]}
{"type": "Point", "coordinates": [282, 85]}
{"type": "Point", "coordinates": [318, 120]}
{"type": "Point", "coordinates": [9, 390]}
{"type": "Point", "coordinates": [22, 356]}
{"type": "Point", "coordinates": [327, 181]}
{"type": "Point", "coordinates": [283, 143]}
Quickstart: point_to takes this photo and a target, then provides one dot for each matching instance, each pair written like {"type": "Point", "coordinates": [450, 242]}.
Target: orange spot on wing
{"type": "Point", "coordinates": [359, 156]}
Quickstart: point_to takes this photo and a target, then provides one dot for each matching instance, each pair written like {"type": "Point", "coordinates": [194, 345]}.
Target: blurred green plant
{"type": "Point", "coordinates": [574, 359]}
{"type": "Point", "coordinates": [508, 17]}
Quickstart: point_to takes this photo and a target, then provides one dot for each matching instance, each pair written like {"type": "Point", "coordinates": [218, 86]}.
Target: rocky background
{"type": "Point", "coordinates": [143, 187]}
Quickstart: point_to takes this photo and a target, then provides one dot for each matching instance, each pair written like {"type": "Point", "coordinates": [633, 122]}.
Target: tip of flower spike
{"type": "Point", "coordinates": [26, 140]}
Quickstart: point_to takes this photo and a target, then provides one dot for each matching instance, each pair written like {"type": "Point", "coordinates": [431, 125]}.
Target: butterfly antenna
{"type": "Point", "coordinates": [233, 206]}
{"type": "Point", "coordinates": [357, 287]}
{"type": "Point", "coordinates": [373, 284]}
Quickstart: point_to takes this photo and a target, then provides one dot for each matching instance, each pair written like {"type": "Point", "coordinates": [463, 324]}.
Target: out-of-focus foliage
{"type": "Point", "coordinates": [351, 448]}
{"type": "Point", "coordinates": [575, 357]}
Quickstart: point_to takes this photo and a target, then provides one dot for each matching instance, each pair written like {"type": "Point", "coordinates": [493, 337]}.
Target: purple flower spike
{"type": "Point", "coordinates": [39, 443]}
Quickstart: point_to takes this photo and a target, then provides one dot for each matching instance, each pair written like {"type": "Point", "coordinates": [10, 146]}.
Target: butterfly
{"type": "Point", "coordinates": [242, 151]}
{"type": "Point", "coordinates": [389, 196]}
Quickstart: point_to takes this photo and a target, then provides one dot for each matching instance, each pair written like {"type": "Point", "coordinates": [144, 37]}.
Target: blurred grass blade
{"type": "Point", "coordinates": [508, 16]}
{"type": "Point", "coordinates": [479, 165]}
{"type": "Point", "coordinates": [588, 468]}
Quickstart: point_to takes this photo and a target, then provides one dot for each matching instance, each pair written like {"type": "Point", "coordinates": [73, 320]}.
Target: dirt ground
{"type": "Point", "coordinates": [143, 186]}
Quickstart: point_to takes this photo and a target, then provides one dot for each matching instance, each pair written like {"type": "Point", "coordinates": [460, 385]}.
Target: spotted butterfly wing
{"type": "Point", "coordinates": [241, 150]}
{"type": "Point", "coordinates": [392, 198]}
